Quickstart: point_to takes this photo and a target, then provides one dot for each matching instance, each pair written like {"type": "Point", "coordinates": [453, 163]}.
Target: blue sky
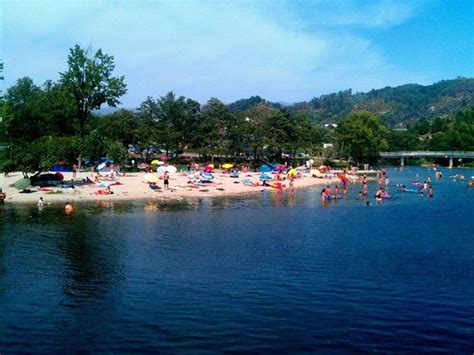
{"type": "Point", "coordinates": [282, 50]}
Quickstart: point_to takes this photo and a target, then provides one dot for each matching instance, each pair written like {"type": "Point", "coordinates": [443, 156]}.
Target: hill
{"type": "Point", "coordinates": [398, 106]}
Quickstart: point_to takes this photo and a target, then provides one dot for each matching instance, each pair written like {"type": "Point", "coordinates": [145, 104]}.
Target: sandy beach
{"type": "Point", "coordinates": [133, 187]}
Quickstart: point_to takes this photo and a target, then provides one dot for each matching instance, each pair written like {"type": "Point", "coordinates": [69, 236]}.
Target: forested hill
{"type": "Point", "coordinates": [398, 106]}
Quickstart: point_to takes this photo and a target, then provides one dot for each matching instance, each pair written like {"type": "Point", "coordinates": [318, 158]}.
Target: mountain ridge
{"type": "Point", "coordinates": [398, 106]}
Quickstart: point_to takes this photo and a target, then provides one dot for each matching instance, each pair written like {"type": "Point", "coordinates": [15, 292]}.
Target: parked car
{"type": "Point", "coordinates": [154, 150]}
{"type": "Point", "coordinates": [134, 149]}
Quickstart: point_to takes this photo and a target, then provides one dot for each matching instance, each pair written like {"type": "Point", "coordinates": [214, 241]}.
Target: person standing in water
{"type": "Point", "coordinates": [292, 184]}
{"type": "Point", "coordinates": [68, 208]}
{"type": "Point", "coordinates": [430, 192]}
{"type": "Point", "coordinates": [40, 202]}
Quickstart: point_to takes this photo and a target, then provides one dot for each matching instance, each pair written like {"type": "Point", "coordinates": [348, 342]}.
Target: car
{"type": "Point", "coordinates": [134, 149]}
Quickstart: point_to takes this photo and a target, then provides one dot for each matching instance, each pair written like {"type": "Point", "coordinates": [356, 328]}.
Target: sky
{"type": "Point", "coordinates": [283, 50]}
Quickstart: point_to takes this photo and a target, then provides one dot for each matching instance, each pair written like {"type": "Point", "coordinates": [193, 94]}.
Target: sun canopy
{"type": "Point", "coordinates": [228, 166]}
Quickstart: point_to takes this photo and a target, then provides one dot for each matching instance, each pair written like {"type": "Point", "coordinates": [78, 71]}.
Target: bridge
{"type": "Point", "coordinates": [428, 154]}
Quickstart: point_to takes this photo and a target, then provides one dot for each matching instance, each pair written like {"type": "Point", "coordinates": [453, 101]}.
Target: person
{"type": "Point", "coordinates": [166, 182]}
{"type": "Point", "coordinates": [365, 191]}
{"type": "Point", "coordinates": [74, 171]}
{"type": "Point", "coordinates": [41, 202]}
{"type": "Point", "coordinates": [3, 195]}
{"type": "Point", "coordinates": [430, 192]}
{"type": "Point", "coordinates": [323, 195]}
{"type": "Point", "coordinates": [328, 191]}
{"type": "Point", "coordinates": [292, 184]}
{"type": "Point", "coordinates": [379, 194]}
{"type": "Point", "coordinates": [336, 191]}
{"type": "Point", "coordinates": [68, 208]}
{"type": "Point", "coordinates": [105, 191]}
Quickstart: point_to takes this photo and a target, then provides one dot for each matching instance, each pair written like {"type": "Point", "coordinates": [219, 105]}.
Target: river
{"type": "Point", "coordinates": [263, 273]}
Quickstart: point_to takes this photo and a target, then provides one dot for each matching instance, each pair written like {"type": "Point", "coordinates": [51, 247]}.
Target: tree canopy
{"type": "Point", "coordinates": [361, 136]}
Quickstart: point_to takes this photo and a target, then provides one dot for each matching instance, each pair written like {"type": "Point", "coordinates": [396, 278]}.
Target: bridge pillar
{"type": "Point", "coordinates": [451, 162]}
{"type": "Point", "coordinates": [402, 161]}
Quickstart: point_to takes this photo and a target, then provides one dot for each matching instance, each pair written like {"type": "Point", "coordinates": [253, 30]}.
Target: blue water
{"type": "Point", "coordinates": [257, 273]}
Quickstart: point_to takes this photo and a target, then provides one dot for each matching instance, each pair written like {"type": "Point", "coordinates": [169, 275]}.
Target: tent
{"type": "Point", "coordinates": [22, 183]}
{"type": "Point", "coordinates": [266, 168]}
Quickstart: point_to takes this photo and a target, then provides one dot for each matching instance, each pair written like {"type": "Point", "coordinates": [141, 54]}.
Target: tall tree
{"type": "Point", "coordinates": [90, 82]}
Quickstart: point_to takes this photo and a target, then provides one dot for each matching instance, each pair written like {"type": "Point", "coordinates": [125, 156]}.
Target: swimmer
{"type": "Point", "coordinates": [40, 202]}
{"type": "Point", "coordinates": [68, 208]}
{"type": "Point", "coordinates": [430, 193]}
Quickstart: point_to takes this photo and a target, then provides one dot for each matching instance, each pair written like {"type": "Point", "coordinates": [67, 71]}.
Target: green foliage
{"type": "Point", "coordinates": [90, 82]}
{"type": "Point", "coordinates": [243, 105]}
{"type": "Point", "coordinates": [403, 141]}
{"type": "Point", "coordinates": [168, 121]}
{"type": "Point", "coordinates": [361, 136]}
{"type": "Point", "coordinates": [121, 125]}
{"type": "Point", "coordinates": [457, 135]}
{"type": "Point", "coordinates": [398, 106]}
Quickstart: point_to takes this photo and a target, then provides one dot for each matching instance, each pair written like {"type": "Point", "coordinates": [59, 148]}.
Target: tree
{"type": "Point", "coordinates": [361, 136]}
{"type": "Point", "coordinates": [168, 121]}
{"type": "Point", "coordinates": [120, 125]}
{"type": "Point", "coordinates": [90, 82]}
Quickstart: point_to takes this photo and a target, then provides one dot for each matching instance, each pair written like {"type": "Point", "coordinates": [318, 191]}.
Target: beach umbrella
{"type": "Point", "coordinates": [228, 166]}
{"type": "Point", "coordinates": [143, 166]}
{"type": "Point", "coordinates": [161, 169]}
{"type": "Point", "coordinates": [164, 158]}
{"type": "Point", "coordinates": [171, 169]}
{"type": "Point", "coordinates": [292, 172]}
{"type": "Point", "coordinates": [155, 162]}
{"type": "Point", "coordinates": [150, 178]}
{"type": "Point", "coordinates": [22, 183]}
{"type": "Point", "coordinates": [161, 163]}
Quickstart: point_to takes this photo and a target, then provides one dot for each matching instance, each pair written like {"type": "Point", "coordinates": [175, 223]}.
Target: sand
{"type": "Point", "coordinates": [134, 188]}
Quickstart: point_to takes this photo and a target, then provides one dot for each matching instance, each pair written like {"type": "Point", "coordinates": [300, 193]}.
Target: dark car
{"type": "Point", "coordinates": [152, 150]}
{"type": "Point", "coordinates": [134, 149]}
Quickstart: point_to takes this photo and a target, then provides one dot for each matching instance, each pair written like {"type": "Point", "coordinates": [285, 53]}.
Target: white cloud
{"type": "Point", "coordinates": [201, 49]}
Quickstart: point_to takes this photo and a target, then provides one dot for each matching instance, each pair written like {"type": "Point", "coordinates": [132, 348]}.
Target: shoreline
{"type": "Point", "coordinates": [133, 188]}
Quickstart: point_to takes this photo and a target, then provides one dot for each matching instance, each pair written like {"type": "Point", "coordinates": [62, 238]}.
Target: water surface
{"type": "Point", "coordinates": [257, 273]}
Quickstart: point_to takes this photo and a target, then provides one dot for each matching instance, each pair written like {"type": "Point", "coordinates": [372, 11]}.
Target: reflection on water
{"type": "Point", "coordinates": [269, 272]}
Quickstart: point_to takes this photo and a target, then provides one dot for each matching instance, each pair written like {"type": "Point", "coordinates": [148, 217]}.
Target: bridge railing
{"type": "Point", "coordinates": [428, 154]}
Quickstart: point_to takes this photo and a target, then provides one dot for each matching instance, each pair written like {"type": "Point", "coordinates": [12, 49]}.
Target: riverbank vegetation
{"type": "Point", "coordinates": [58, 121]}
